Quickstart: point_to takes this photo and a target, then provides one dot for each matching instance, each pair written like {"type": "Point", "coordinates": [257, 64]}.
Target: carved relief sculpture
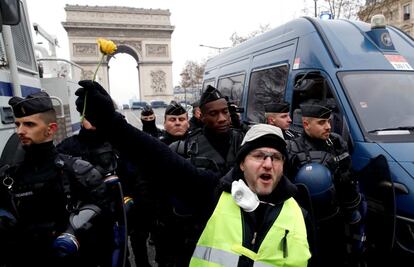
{"type": "Point", "coordinates": [80, 49]}
{"type": "Point", "coordinates": [134, 44]}
{"type": "Point", "coordinates": [156, 50]}
{"type": "Point", "coordinates": [158, 84]}
{"type": "Point", "coordinates": [87, 75]}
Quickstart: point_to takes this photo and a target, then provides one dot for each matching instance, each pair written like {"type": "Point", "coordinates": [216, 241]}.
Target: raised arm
{"type": "Point", "coordinates": [168, 168]}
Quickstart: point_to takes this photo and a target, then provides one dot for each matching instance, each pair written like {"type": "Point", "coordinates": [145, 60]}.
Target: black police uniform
{"type": "Point", "coordinates": [290, 134]}
{"type": "Point", "coordinates": [195, 123]}
{"type": "Point", "coordinates": [172, 229]}
{"type": "Point", "coordinates": [333, 153]}
{"type": "Point", "coordinates": [92, 147]}
{"type": "Point", "coordinates": [207, 149]}
{"type": "Point", "coordinates": [282, 107]}
{"type": "Point", "coordinates": [142, 216]}
{"type": "Point", "coordinates": [41, 192]}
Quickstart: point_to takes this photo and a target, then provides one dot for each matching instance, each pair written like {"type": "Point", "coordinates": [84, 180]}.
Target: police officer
{"type": "Point", "coordinates": [175, 123]}
{"type": "Point", "coordinates": [277, 114]}
{"type": "Point", "coordinates": [51, 204]}
{"type": "Point", "coordinates": [91, 146]}
{"type": "Point", "coordinates": [170, 232]}
{"type": "Point", "coordinates": [252, 218]}
{"type": "Point", "coordinates": [338, 218]}
{"type": "Point", "coordinates": [195, 121]}
{"type": "Point", "coordinates": [214, 146]}
{"type": "Point", "coordinates": [148, 120]}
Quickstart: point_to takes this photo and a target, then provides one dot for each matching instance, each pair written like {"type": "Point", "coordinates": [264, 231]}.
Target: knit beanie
{"type": "Point", "coordinates": [262, 135]}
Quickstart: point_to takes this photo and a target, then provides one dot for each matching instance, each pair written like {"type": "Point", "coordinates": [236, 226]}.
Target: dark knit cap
{"type": "Point", "coordinates": [195, 104]}
{"type": "Point", "coordinates": [277, 107]}
{"type": "Point", "coordinates": [34, 103]}
{"type": "Point", "coordinates": [209, 95]}
{"type": "Point", "coordinates": [315, 108]}
{"type": "Point", "coordinates": [262, 135]}
{"type": "Point", "coordinates": [147, 111]}
{"type": "Point", "coordinates": [174, 109]}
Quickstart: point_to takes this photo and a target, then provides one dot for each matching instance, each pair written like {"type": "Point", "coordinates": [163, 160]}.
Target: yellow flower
{"type": "Point", "coordinates": [107, 47]}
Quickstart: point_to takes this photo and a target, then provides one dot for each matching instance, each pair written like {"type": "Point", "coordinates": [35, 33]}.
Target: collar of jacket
{"type": "Point", "coordinates": [316, 142]}
{"type": "Point", "coordinates": [40, 152]}
{"type": "Point", "coordinates": [172, 138]}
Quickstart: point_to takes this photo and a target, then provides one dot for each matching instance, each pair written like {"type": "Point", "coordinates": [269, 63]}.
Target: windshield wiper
{"type": "Point", "coordinates": [408, 128]}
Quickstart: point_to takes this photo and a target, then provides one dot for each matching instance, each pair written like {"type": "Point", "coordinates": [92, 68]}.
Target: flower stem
{"type": "Point", "coordinates": [84, 107]}
{"type": "Point", "coordinates": [96, 71]}
{"type": "Point", "coordinates": [86, 93]}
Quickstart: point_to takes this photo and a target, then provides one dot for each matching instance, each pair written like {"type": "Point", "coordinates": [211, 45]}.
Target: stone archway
{"type": "Point", "coordinates": [145, 34]}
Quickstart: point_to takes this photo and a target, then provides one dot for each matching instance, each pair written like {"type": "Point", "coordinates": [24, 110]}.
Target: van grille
{"type": "Point", "coordinates": [2, 51]}
{"type": "Point", "coordinates": [22, 43]}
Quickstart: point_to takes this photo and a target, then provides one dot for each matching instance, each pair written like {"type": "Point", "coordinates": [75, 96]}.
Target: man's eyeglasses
{"type": "Point", "coordinates": [260, 156]}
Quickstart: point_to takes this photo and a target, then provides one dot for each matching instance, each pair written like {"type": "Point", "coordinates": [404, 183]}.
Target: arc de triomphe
{"type": "Point", "coordinates": [145, 34]}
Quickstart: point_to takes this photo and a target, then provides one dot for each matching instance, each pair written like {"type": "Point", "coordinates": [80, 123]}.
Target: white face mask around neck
{"type": "Point", "coordinates": [244, 197]}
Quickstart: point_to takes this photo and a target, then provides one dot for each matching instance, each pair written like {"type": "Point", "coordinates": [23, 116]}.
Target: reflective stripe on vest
{"type": "Point", "coordinates": [221, 242]}
{"type": "Point", "coordinates": [218, 256]}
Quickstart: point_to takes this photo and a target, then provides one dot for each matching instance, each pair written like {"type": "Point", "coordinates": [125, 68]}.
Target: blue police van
{"type": "Point", "coordinates": [366, 72]}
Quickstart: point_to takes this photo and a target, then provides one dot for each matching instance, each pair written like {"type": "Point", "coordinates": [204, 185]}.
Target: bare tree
{"type": "Point", "coordinates": [349, 9]}
{"type": "Point", "coordinates": [192, 74]}
{"type": "Point", "coordinates": [373, 7]}
{"type": "Point", "coordinates": [339, 9]}
{"type": "Point", "coordinates": [236, 39]}
{"type": "Point", "coordinates": [342, 9]}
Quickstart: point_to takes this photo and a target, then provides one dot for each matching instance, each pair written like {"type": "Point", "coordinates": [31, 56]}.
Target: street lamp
{"type": "Point", "coordinates": [316, 9]}
{"type": "Point", "coordinates": [185, 89]}
{"type": "Point", "coordinates": [215, 47]}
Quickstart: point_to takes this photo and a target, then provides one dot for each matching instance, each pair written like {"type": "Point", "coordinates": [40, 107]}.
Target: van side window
{"type": "Point", "coordinates": [207, 83]}
{"type": "Point", "coordinates": [265, 85]}
{"type": "Point", "coordinates": [21, 41]}
{"type": "Point", "coordinates": [232, 87]}
{"type": "Point", "coordinates": [314, 86]}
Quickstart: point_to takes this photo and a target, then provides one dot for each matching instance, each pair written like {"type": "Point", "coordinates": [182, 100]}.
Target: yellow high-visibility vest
{"type": "Point", "coordinates": [220, 244]}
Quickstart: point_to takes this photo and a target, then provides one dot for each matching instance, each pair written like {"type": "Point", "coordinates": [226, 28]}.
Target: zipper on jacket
{"type": "Point", "coordinates": [284, 244]}
{"type": "Point", "coordinates": [254, 238]}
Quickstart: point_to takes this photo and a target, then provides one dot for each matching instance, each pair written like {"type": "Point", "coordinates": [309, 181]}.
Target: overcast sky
{"type": "Point", "coordinates": [196, 22]}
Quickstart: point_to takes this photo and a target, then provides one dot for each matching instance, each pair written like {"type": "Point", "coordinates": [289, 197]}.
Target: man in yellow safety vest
{"type": "Point", "coordinates": [252, 218]}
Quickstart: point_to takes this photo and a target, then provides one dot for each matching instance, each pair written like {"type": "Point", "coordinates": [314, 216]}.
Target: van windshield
{"type": "Point", "coordinates": [382, 101]}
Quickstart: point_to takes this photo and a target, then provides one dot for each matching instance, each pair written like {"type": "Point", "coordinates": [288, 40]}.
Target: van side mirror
{"type": "Point", "coordinates": [9, 12]}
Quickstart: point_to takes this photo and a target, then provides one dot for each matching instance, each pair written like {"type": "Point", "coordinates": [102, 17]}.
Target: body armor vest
{"type": "Point", "coordinates": [203, 155]}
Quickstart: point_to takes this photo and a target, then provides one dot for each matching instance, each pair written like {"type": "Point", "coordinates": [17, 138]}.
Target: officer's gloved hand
{"type": "Point", "coordinates": [350, 205]}
{"type": "Point", "coordinates": [99, 104]}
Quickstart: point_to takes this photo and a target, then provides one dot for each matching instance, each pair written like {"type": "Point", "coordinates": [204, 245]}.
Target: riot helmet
{"type": "Point", "coordinates": [318, 180]}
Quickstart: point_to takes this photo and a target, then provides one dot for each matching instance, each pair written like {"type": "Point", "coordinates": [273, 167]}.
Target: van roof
{"type": "Point", "coordinates": [351, 46]}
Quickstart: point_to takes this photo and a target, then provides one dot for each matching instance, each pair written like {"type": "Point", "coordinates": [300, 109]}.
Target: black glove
{"type": "Point", "coordinates": [99, 104]}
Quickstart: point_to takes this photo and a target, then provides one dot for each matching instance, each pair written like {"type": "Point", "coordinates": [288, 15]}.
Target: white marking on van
{"type": "Point", "coordinates": [398, 62]}
{"type": "Point", "coordinates": [296, 63]}
{"type": "Point", "coordinates": [394, 132]}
